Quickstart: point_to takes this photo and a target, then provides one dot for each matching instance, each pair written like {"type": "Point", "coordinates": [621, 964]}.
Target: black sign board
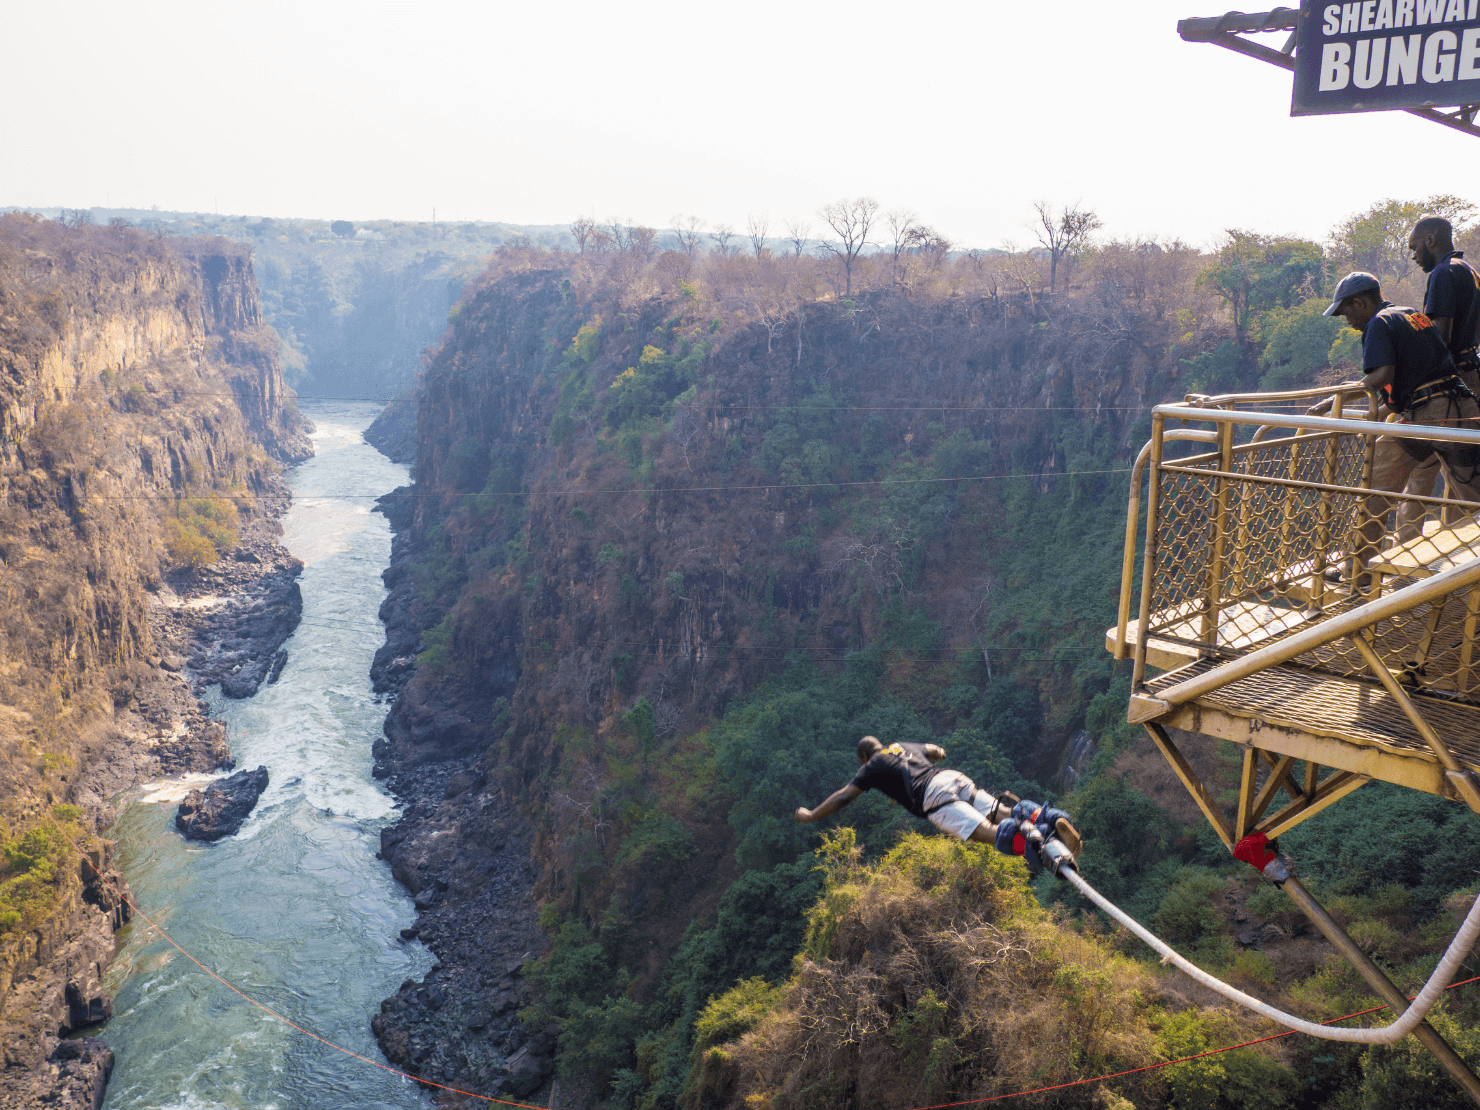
{"type": "Point", "coordinates": [1377, 55]}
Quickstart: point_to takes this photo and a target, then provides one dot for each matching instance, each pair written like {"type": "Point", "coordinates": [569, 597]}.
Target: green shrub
{"type": "Point", "coordinates": [1405, 1076]}
{"type": "Point", "coordinates": [736, 1012]}
{"type": "Point", "coordinates": [1298, 343]}
{"type": "Point", "coordinates": [200, 528]}
{"type": "Point", "coordinates": [582, 350]}
{"type": "Point", "coordinates": [1243, 1080]}
{"type": "Point", "coordinates": [1189, 912]}
{"type": "Point", "coordinates": [1254, 966]}
{"type": "Point", "coordinates": [1215, 371]}
{"type": "Point", "coordinates": [438, 651]}
{"type": "Point", "coordinates": [640, 722]}
{"type": "Point", "coordinates": [656, 836]}
{"type": "Point", "coordinates": [600, 1038]}
{"type": "Point", "coordinates": [36, 850]}
{"type": "Point", "coordinates": [1268, 901]}
{"type": "Point", "coordinates": [34, 863]}
{"type": "Point", "coordinates": [646, 389]}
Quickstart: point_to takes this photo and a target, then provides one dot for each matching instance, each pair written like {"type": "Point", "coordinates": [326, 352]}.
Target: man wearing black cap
{"type": "Point", "coordinates": [1405, 359]}
{"type": "Point", "coordinates": [1452, 301]}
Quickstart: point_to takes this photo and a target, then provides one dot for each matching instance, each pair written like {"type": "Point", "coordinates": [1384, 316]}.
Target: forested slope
{"type": "Point", "coordinates": [685, 526]}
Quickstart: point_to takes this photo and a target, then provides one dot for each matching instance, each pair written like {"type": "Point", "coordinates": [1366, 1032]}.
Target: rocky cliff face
{"type": "Point", "coordinates": [135, 376]}
{"type": "Point", "coordinates": [564, 545]}
{"type": "Point", "coordinates": [626, 514]}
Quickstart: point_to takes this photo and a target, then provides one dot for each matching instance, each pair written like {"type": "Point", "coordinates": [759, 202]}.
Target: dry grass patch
{"type": "Point", "coordinates": [933, 976]}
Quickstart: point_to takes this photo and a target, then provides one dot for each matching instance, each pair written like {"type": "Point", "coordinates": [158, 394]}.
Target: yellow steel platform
{"type": "Point", "coordinates": [1346, 724]}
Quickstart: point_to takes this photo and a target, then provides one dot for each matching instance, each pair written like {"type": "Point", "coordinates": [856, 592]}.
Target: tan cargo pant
{"type": "Point", "coordinates": [1424, 482]}
{"type": "Point", "coordinates": [1394, 465]}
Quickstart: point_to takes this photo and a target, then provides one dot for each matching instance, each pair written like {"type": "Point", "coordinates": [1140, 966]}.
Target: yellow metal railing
{"type": "Point", "coordinates": [1257, 536]}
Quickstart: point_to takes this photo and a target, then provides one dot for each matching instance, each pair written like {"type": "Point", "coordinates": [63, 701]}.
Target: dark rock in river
{"type": "Point", "coordinates": [223, 807]}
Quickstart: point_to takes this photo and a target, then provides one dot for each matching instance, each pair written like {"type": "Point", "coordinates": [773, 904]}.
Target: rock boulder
{"type": "Point", "coordinates": [223, 806]}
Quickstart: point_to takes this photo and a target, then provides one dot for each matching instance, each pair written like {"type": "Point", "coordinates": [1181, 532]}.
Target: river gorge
{"type": "Point", "coordinates": [295, 909]}
{"type": "Point", "coordinates": [538, 659]}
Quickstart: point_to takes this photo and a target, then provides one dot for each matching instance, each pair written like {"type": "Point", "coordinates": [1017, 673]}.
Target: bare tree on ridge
{"type": "Point", "coordinates": [581, 229]}
{"type": "Point", "coordinates": [687, 230]}
{"type": "Point", "coordinates": [797, 232]}
{"type": "Point", "coordinates": [850, 221]}
{"type": "Point", "coordinates": [756, 227]}
{"type": "Point", "coordinates": [722, 234]}
{"type": "Point", "coordinates": [1063, 235]}
{"type": "Point", "coordinates": [901, 222]}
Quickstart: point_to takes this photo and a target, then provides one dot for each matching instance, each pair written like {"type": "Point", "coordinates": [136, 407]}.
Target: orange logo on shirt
{"type": "Point", "coordinates": [1419, 320]}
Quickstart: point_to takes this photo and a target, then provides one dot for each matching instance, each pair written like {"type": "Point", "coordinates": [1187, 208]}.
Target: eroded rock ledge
{"type": "Point", "coordinates": [51, 976]}
{"type": "Point", "coordinates": [463, 851]}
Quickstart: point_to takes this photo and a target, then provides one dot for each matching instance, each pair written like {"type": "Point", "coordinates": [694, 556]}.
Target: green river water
{"type": "Point", "coordinates": [295, 909]}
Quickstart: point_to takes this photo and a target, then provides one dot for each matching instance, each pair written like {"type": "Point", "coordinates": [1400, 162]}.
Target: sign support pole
{"type": "Point", "coordinates": [1225, 31]}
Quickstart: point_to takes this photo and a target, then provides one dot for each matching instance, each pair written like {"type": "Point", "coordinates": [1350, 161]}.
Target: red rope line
{"type": "Point", "coordinates": [526, 1106]}
{"type": "Point", "coordinates": [229, 986]}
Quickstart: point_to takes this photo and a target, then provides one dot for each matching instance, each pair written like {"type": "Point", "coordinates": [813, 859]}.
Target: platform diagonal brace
{"type": "Point", "coordinates": [1190, 780]}
{"type": "Point", "coordinates": [1277, 777]}
{"type": "Point", "coordinates": [1332, 790]}
{"type": "Point", "coordinates": [1458, 776]}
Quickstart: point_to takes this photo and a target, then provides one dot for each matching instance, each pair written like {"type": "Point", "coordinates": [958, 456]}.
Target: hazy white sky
{"type": "Point", "coordinates": [538, 112]}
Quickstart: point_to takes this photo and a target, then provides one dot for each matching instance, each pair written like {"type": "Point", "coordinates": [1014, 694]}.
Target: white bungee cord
{"type": "Point", "coordinates": [1459, 948]}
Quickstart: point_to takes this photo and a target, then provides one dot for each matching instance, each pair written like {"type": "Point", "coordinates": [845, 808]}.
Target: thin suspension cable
{"type": "Point", "coordinates": [571, 491]}
{"type": "Point", "coordinates": [977, 409]}
{"type": "Point", "coordinates": [651, 648]}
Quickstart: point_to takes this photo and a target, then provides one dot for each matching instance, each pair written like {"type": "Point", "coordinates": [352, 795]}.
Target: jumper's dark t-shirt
{"type": "Point", "coordinates": [1405, 340]}
{"type": "Point", "coordinates": [1454, 291]}
{"type": "Point", "coordinates": [900, 771]}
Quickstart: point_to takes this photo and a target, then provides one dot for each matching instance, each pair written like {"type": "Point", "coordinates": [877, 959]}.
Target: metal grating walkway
{"type": "Point", "coordinates": [1356, 712]}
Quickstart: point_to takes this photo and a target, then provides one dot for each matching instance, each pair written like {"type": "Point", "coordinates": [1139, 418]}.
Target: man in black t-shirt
{"type": "Point", "coordinates": [1407, 362]}
{"type": "Point", "coordinates": [1452, 301]}
{"type": "Point", "coordinates": [951, 802]}
{"type": "Point", "coordinates": [1452, 297]}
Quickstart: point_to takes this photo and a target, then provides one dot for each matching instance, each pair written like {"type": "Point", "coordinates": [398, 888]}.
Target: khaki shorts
{"type": "Point", "coordinates": [967, 808]}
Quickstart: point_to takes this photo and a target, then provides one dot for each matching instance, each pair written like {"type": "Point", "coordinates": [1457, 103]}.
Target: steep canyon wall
{"type": "Point", "coordinates": [631, 513]}
{"type": "Point", "coordinates": [136, 377]}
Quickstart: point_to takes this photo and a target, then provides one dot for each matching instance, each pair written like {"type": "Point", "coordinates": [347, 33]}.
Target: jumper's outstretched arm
{"type": "Point", "coordinates": [835, 801]}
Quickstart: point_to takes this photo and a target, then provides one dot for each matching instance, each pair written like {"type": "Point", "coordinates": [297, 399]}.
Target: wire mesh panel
{"type": "Point", "coordinates": [1257, 540]}
{"type": "Point", "coordinates": [1249, 530]}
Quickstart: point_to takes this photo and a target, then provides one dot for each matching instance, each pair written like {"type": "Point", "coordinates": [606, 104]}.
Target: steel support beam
{"type": "Point", "coordinates": [1427, 1035]}
{"type": "Point", "coordinates": [1194, 785]}
{"type": "Point", "coordinates": [1224, 31]}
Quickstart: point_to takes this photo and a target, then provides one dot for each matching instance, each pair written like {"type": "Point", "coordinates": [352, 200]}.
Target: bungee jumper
{"type": "Point", "coordinates": [909, 774]}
